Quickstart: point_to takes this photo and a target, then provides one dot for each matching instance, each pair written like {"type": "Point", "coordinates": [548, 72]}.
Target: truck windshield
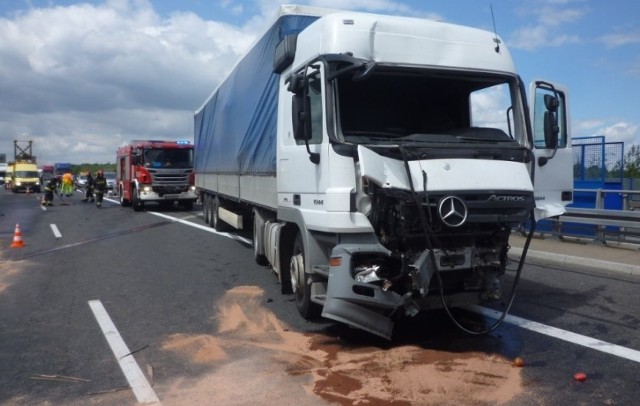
{"type": "Point", "coordinates": [395, 105]}
{"type": "Point", "coordinates": [168, 158]}
{"type": "Point", "coordinates": [26, 174]}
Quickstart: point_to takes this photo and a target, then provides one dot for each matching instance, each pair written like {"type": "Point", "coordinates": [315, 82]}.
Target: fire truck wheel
{"type": "Point", "coordinates": [137, 204]}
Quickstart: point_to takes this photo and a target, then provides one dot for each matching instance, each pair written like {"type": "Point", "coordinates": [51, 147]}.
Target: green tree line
{"type": "Point", "coordinates": [93, 168]}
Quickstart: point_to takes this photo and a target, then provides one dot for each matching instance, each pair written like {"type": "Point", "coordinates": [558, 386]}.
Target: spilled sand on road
{"type": "Point", "coordinates": [8, 271]}
{"type": "Point", "coordinates": [254, 358]}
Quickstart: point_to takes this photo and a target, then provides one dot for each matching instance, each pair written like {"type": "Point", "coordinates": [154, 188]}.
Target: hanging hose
{"type": "Point", "coordinates": [428, 232]}
{"type": "Point", "coordinates": [512, 295]}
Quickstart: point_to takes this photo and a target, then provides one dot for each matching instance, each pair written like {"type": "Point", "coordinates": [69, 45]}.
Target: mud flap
{"type": "Point", "coordinates": [358, 316]}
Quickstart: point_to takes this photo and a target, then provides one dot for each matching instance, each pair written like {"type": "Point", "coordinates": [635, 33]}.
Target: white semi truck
{"type": "Point", "coordinates": [381, 161]}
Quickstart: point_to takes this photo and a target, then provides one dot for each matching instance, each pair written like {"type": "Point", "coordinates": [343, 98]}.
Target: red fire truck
{"type": "Point", "coordinates": [155, 171]}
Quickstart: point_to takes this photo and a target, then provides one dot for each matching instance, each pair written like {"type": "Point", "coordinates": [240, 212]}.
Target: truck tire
{"type": "Point", "coordinates": [206, 213]}
{"type": "Point", "coordinates": [260, 259]}
{"type": "Point", "coordinates": [301, 282]}
{"type": "Point", "coordinates": [188, 205]}
{"type": "Point", "coordinates": [123, 202]}
{"type": "Point", "coordinates": [210, 209]}
{"type": "Point", "coordinates": [217, 224]}
{"type": "Point", "coordinates": [137, 204]}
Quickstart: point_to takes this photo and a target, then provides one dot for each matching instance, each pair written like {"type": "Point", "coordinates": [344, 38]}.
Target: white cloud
{"type": "Point", "coordinates": [551, 17]}
{"type": "Point", "coordinates": [586, 126]}
{"type": "Point", "coordinates": [621, 132]}
{"type": "Point", "coordinates": [620, 39]}
{"type": "Point", "coordinates": [612, 130]}
{"type": "Point", "coordinates": [531, 38]}
{"type": "Point", "coordinates": [74, 78]}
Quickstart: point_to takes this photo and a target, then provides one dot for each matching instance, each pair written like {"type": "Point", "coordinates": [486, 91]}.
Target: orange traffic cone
{"type": "Point", "coordinates": [17, 238]}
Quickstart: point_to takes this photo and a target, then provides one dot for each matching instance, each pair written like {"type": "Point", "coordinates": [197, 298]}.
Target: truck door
{"type": "Point", "coordinates": [302, 166]}
{"type": "Point", "coordinates": [553, 154]}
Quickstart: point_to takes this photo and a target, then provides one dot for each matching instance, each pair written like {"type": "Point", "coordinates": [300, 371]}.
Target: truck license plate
{"type": "Point", "coordinates": [170, 196]}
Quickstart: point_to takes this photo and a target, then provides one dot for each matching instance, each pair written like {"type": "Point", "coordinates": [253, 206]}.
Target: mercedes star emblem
{"type": "Point", "coordinates": [452, 211]}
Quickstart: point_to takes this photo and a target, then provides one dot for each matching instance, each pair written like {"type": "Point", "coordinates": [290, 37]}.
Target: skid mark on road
{"type": "Point", "coordinates": [257, 359]}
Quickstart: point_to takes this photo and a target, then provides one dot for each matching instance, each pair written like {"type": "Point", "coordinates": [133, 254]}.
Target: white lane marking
{"type": "Point", "coordinates": [138, 382]}
{"type": "Point", "coordinates": [201, 227]}
{"type": "Point", "coordinates": [594, 344]}
{"type": "Point", "coordinates": [55, 230]}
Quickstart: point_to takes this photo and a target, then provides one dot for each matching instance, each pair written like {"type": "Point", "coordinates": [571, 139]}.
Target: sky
{"type": "Point", "coordinates": [80, 78]}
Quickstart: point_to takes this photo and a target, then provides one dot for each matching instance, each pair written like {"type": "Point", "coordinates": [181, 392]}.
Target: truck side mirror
{"type": "Point", "coordinates": [300, 113]}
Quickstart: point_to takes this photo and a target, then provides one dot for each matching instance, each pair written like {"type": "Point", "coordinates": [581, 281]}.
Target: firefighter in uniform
{"type": "Point", "coordinates": [89, 188]}
{"type": "Point", "coordinates": [49, 188]}
{"type": "Point", "coordinates": [99, 187]}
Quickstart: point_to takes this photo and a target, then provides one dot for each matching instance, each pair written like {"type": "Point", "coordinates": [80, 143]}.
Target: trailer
{"type": "Point", "coordinates": [381, 162]}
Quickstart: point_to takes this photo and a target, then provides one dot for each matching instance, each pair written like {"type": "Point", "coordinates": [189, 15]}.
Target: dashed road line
{"type": "Point", "coordinates": [55, 230]}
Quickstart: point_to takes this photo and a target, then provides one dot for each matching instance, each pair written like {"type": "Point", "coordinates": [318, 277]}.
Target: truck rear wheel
{"type": "Point", "coordinates": [210, 209]}
{"type": "Point", "coordinates": [123, 202]}
{"type": "Point", "coordinates": [206, 213]}
{"type": "Point", "coordinates": [218, 224]}
{"type": "Point", "coordinates": [301, 282]}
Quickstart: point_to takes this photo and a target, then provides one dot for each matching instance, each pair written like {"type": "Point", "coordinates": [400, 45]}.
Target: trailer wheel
{"type": "Point", "coordinates": [210, 208]}
{"type": "Point", "coordinates": [301, 282]}
{"type": "Point", "coordinates": [137, 204]}
{"type": "Point", "coordinates": [217, 224]}
{"type": "Point", "coordinates": [206, 213]}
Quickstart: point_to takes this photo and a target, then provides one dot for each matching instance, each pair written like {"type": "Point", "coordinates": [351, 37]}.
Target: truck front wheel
{"type": "Point", "coordinates": [301, 282]}
{"type": "Point", "coordinates": [137, 204]}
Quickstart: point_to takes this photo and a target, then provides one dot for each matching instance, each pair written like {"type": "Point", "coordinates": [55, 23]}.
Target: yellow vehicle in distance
{"type": "Point", "coordinates": [23, 176]}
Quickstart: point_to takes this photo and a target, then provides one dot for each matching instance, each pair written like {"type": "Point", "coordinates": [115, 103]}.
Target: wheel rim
{"type": "Point", "coordinates": [296, 272]}
{"type": "Point", "coordinates": [214, 213]}
{"type": "Point", "coordinates": [255, 240]}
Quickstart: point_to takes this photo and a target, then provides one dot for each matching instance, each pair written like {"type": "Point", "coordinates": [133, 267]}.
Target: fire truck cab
{"type": "Point", "coordinates": [155, 171]}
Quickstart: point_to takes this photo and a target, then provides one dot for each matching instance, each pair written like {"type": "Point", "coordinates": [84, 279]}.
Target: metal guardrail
{"type": "Point", "coordinates": [630, 198]}
{"type": "Point", "coordinates": [608, 225]}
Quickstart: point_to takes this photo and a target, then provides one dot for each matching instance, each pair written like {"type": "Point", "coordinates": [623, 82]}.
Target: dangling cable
{"type": "Point", "coordinates": [428, 232]}
{"type": "Point", "coordinates": [511, 296]}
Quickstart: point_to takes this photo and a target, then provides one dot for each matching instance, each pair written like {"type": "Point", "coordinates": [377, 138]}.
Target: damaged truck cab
{"type": "Point", "coordinates": [406, 152]}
